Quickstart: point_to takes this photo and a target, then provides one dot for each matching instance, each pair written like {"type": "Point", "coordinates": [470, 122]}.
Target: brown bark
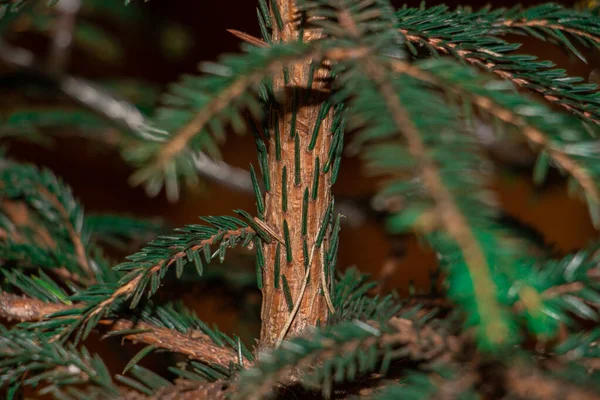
{"type": "Point", "coordinates": [195, 344]}
{"type": "Point", "coordinates": [313, 307]}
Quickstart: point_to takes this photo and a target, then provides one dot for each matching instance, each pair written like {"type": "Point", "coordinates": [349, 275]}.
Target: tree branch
{"type": "Point", "coordinates": [196, 345]}
{"type": "Point", "coordinates": [75, 236]}
{"type": "Point", "coordinates": [129, 287]}
{"type": "Point", "coordinates": [523, 23]}
{"type": "Point", "coordinates": [531, 133]}
{"type": "Point", "coordinates": [470, 56]}
{"type": "Point", "coordinates": [451, 217]}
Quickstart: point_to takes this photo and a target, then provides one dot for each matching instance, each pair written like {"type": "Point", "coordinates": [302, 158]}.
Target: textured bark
{"type": "Point", "coordinates": [313, 307]}
{"type": "Point", "coordinates": [195, 344]}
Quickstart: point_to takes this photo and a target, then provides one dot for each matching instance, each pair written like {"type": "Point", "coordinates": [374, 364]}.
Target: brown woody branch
{"type": "Point", "coordinates": [22, 309]}
{"type": "Point", "coordinates": [196, 345]}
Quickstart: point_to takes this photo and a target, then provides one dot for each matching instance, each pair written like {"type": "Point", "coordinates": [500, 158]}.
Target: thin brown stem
{"type": "Point", "coordinates": [196, 345]}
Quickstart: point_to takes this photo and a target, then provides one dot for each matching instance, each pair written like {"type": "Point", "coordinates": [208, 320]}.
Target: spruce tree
{"type": "Point", "coordinates": [405, 88]}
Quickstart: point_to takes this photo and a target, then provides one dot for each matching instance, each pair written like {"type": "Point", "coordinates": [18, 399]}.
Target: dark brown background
{"type": "Point", "coordinates": [99, 177]}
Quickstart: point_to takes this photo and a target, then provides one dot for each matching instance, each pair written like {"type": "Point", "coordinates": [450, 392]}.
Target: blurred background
{"type": "Point", "coordinates": [165, 38]}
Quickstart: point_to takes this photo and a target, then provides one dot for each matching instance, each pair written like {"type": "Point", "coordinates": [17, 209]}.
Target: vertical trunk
{"type": "Point", "coordinates": [296, 178]}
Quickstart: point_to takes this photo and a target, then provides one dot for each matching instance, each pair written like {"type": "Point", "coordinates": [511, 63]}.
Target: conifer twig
{"type": "Point", "coordinates": [132, 284]}
{"type": "Point", "coordinates": [80, 251]}
{"type": "Point", "coordinates": [531, 133]}
{"type": "Point", "coordinates": [181, 138]}
{"type": "Point", "coordinates": [452, 219]}
{"type": "Point", "coordinates": [196, 345]}
{"type": "Point", "coordinates": [547, 24]}
{"type": "Point", "coordinates": [18, 213]}
{"type": "Point", "coordinates": [468, 56]}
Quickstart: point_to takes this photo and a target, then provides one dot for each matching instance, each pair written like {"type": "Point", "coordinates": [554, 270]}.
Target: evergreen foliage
{"type": "Point", "coordinates": [408, 87]}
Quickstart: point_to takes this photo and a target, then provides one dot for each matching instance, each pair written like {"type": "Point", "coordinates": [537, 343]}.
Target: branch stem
{"type": "Point", "coordinates": [196, 345]}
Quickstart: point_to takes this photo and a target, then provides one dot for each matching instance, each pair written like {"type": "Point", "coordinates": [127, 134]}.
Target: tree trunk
{"type": "Point", "coordinates": [297, 179]}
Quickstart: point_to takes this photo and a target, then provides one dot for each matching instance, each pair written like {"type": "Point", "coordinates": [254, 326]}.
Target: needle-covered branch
{"type": "Point", "coordinates": [458, 220]}
{"type": "Point", "coordinates": [31, 360]}
{"type": "Point", "coordinates": [145, 270]}
{"type": "Point", "coordinates": [472, 38]}
{"type": "Point", "coordinates": [554, 23]}
{"type": "Point", "coordinates": [563, 140]}
{"type": "Point", "coordinates": [447, 209]}
{"type": "Point", "coordinates": [197, 110]}
{"type": "Point", "coordinates": [342, 353]}
{"type": "Point", "coordinates": [194, 344]}
{"type": "Point", "coordinates": [43, 226]}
